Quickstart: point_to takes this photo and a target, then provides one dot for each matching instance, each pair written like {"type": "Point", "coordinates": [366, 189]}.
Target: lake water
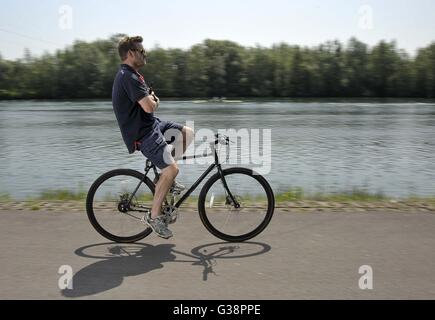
{"type": "Point", "coordinates": [318, 146]}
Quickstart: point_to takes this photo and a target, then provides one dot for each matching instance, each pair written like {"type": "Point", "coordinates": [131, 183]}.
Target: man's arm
{"type": "Point", "coordinates": [149, 103]}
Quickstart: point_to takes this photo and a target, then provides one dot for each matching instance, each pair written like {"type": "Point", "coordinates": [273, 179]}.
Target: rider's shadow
{"type": "Point", "coordinates": [123, 260]}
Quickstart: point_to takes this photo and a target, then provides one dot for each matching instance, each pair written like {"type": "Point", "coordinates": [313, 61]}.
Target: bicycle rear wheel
{"type": "Point", "coordinates": [219, 214]}
{"type": "Point", "coordinates": [108, 208]}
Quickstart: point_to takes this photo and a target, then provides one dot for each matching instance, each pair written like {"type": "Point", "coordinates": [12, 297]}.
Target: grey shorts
{"type": "Point", "coordinates": [156, 145]}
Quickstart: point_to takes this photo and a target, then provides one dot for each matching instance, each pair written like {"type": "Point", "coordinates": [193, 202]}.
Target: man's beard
{"type": "Point", "coordinates": [139, 64]}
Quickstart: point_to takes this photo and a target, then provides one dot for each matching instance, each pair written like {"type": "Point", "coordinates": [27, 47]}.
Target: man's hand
{"type": "Point", "coordinates": [156, 99]}
{"type": "Point", "coordinates": [154, 96]}
{"type": "Point", "coordinates": [149, 103]}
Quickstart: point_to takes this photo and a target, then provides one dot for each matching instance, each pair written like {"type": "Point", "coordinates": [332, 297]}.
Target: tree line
{"type": "Point", "coordinates": [225, 69]}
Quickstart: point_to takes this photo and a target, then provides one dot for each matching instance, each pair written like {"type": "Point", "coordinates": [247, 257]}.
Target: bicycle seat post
{"type": "Point", "coordinates": [148, 166]}
{"type": "Point", "coordinates": [156, 174]}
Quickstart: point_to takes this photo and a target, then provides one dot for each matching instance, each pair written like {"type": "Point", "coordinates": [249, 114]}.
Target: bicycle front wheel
{"type": "Point", "coordinates": [117, 201]}
{"type": "Point", "coordinates": [223, 218]}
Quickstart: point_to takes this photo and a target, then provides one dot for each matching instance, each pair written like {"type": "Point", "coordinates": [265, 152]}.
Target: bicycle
{"type": "Point", "coordinates": [235, 204]}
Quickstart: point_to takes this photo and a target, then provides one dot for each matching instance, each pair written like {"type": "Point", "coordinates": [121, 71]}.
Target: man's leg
{"type": "Point", "coordinates": [188, 136]}
{"type": "Point", "coordinates": [183, 141]}
{"type": "Point", "coordinates": [167, 177]}
{"type": "Point", "coordinates": [168, 174]}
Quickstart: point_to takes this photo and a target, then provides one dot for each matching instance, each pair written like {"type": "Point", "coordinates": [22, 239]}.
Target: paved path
{"type": "Point", "coordinates": [299, 256]}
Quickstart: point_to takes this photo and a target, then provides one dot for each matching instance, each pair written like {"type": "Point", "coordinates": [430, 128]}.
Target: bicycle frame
{"type": "Point", "coordinates": [216, 164]}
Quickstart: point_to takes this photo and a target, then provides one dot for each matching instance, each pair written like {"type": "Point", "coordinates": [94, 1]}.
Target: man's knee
{"type": "Point", "coordinates": [188, 131]}
{"type": "Point", "coordinates": [171, 170]}
{"type": "Point", "coordinates": [188, 134]}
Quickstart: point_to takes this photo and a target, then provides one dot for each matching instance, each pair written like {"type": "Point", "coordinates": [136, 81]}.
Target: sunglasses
{"type": "Point", "coordinates": [142, 51]}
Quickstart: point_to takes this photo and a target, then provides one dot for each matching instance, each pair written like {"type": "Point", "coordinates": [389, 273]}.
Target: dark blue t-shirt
{"type": "Point", "coordinates": [128, 88]}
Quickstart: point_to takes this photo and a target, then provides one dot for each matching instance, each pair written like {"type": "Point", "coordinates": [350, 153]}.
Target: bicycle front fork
{"type": "Point", "coordinates": [229, 196]}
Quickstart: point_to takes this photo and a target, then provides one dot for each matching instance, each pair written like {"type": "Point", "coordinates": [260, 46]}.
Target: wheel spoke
{"type": "Point", "coordinates": [254, 196]}
{"type": "Point", "coordinates": [112, 213]}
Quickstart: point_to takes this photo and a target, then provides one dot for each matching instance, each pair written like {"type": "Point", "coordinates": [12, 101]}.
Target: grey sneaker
{"type": "Point", "coordinates": [177, 187]}
{"type": "Point", "coordinates": [158, 225]}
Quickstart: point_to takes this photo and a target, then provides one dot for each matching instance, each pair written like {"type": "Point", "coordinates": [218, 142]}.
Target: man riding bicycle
{"type": "Point", "coordinates": [134, 104]}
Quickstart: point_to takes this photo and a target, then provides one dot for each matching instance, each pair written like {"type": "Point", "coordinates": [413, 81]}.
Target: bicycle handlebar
{"type": "Point", "coordinates": [221, 138]}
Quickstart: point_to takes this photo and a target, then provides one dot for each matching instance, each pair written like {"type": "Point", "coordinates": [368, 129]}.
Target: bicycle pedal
{"type": "Point", "coordinates": [174, 192]}
{"type": "Point", "coordinates": [143, 219]}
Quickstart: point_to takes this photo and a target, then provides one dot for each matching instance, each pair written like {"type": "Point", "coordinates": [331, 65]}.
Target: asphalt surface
{"type": "Point", "coordinates": [299, 256]}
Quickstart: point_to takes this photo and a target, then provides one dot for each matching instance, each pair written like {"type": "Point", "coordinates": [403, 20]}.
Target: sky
{"type": "Point", "coordinates": [48, 25]}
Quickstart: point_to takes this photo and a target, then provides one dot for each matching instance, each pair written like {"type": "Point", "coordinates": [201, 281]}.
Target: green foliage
{"type": "Point", "coordinates": [5, 197]}
{"type": "Point", "coordinates": [217, 68]}
{"type": "Point", "coordinates": [62, 195]}
{"type": "Point", "coordinates": [298, 194]}
{"type": "Point", "coordinates": [292, 194]}
{"type": "Point", "coordinates": [354, 195]}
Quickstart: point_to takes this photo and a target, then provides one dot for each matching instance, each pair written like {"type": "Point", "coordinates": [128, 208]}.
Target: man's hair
{"type": "Point", "coordinates": [126, 44]}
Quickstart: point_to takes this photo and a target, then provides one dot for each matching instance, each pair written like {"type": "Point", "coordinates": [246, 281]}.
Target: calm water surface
{"type": "Point", "coordinates": [319, 146]}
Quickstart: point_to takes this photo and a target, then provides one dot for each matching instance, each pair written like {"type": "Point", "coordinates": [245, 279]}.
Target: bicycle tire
{"type": "Point", "coordinates": [90, 208]}
{"type": "Point", "coordinates": [249, 235]}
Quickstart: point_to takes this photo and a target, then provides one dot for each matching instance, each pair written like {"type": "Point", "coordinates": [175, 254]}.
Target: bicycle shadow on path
{"type": "Point", "coordinates": [117, 261]}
